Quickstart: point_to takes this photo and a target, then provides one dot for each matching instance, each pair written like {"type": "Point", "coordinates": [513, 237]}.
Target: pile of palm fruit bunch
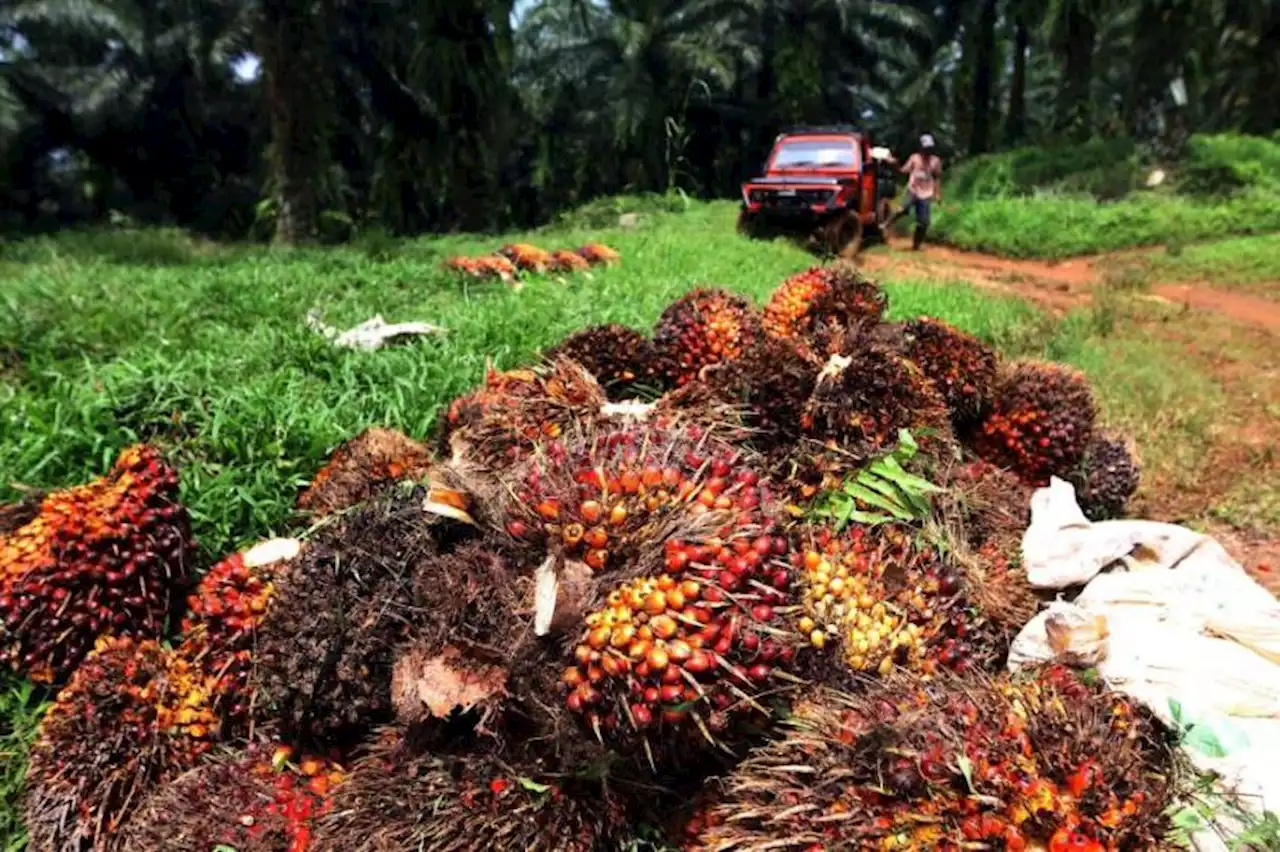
{"type": "Point", "coordinates": [524, 258]}
{"type": "Point", "coordinates": [611, 579]}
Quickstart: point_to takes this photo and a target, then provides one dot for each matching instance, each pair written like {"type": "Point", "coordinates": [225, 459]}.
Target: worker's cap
{"type": "Point", "coordinates": [926, 141]}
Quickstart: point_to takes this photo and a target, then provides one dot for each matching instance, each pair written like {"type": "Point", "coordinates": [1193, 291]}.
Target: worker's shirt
{"type": "Point", "coordinates": [924, 171]}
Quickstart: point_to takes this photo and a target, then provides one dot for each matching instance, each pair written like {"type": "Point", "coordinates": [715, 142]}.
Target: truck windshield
{"type": "Point", "coordinates": [827, 153]}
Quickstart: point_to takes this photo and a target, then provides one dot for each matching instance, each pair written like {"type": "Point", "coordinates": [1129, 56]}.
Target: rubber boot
{"type": "Point", "coordinates": [917, 237]}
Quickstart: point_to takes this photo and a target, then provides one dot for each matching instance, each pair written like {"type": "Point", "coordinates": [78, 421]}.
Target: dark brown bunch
{"type": "Point", "coordinates": [257, 801]}
{"type": "Point", "coordinates": [1107, 477]}
{"type": "Point", "coordinates": [398, 799]}
{"type": "Point", "coordinates": [133, 715]}
{"type": "Point", "coordinates": [962, 368]}
{"type": "Point", "coordinates": [818, 307]}
{"type": "Point", "coordinates": [703, 328]}
{"type": "Point", "coordinates": [1013, 762]}
{"type": "Point", "coordinates": [772, 387]}
{"type": "Point", "coordinates": [1040, 422]}
{"type": "Point", "coordinates": [362, 466]}
{"type": "Point", "coordinates": [516, 410]}
{"type": "Point", "coordinates": [620, 358]}
{"type": "Point", "coordinates": [323, 663]}
{"type": "Point", "coordinates": [107, 556]}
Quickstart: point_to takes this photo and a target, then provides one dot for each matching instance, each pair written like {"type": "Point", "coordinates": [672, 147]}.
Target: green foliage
{"type": "Point", "coordinates": [882, 492]}
{"type": "Point", "coordinates": [1224, 163]}
{"type": "Point", "coordinates": [1100, 167]}
{"type": "Point", "coordinates": [20, 712]}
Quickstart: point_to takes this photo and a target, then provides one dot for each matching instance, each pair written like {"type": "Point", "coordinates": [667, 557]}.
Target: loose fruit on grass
{"type": "Point", "coordinates": [563, 260]}
{"type": "Point", "coordinates": [107, 556]}
{"type": "Point", "coordinates": [703, 328]}
{"type": "Point", "coordinates": [487, 266]}
{"type": "Point", "coordinates": [400, 800]}
{"type": "Point", "coordinates": [1106, 477]}
{"type": "Point", "coordinates": [598, 254]}
{"type": "Point", "coordinates": [1013, 762]}
{"type": "Point", "coordinates": [961, 367]}
{"type": "Point", "coordinates": [360, 467]}
{"type": "Point", "coordinates": [516, 410]}
{"type": "Point", "coordinates": [817, 307]}
{"type": "Point", "coordinates": [620, 358]}
{"type": "Point", "coordinates": [1040, 422]}
{"type": "Point", "coordinates": [133, 715]}
{"type": "Point", "coordinates": [262, 800]}
{"type": "Point", "coordinates": [526, 257]}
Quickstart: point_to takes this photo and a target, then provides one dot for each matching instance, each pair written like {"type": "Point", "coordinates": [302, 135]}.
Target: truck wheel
{"type": "Point", "coordinates": [749, 225]}
{"type": "Point", "coordinates": [847, 235]}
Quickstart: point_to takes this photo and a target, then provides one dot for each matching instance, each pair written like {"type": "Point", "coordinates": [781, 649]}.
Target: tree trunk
{"type": "Point", "coordinates": [983, 79]}
{"type": "Point", "coordinates": [293, 41]}
{"type": "Point", "coordinates": [1080, 39]}
{"type": "Point", "coordinates": [1015, 128]}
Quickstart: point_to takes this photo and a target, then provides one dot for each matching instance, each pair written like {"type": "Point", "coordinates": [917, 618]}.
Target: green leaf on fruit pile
{"type": "Point", "coordinates": [883, 491]}
{"type": "Point", "coordinates": [533, 786]}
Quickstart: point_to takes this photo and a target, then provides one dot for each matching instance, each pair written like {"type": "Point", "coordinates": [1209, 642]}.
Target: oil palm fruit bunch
{"type": "Point", "coordinates": [1040, 422]}
{"type": "Point", "coordinates": [620, 358]}
{"type": "Point", "coordinates": [705, 327]}
{"type": "Point", "coordinates": [563, 260]}
{"type": "Point", "coordinates": [526, 257]}
{"type": "Point", "coordinates": [679, 540]}
{"type": "Point", "coordinates": [107, 556]}
{"type": "Point", "coordinates": [597, 254]}
{"type": "Point", "coordinates": [886, 602]}
{"type": "Point", "coordinates": [360, 467]}
{"type": "Point", "coordinates": [223, 615]}
{"type": "Point", "coordinates": [1107, 477]}
{"type": "Point", "coordinates": [816, 307]}
{"type": "Point", "coordinates": [983, 502]}
{"type": "Point", "coordinates": [132, 715]}
{"type": "Point", "coordinates": [962, 368]}
{"type": "Point", "coordinates": [1023, 762]}
{"type": "Point", "coordinates": [260, 800]}
{"type": "Point", "coordinates": [514, 411]}
{"type": "Point", "coordinates": [486, 266]}
{"type": "Point", "coordinates": [772, 387]}
{"type": "Point", "coordinates": [398, 799]}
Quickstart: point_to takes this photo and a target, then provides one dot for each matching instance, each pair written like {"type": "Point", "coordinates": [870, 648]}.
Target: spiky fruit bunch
{"type": "Point", "coordinates": [962, 368]}
{"type": "Point", "coordinates": [516, 410]}
{"type": "Point", "coordinates": [487, 266]}
{"type": "Point", "coordinates": [862, 400]}
{"type": "Point", "coordinates": [323, 662]}
{"type": "Point", "coordinates": [258, 801]}
{"type": "Point", "coordinates": [983, 503]}
{"type": "Point", "coordinates": [223, 614]}
{"type": "Point", "coordinates": [599, 253]}
{"type": "Point", "coordinates": [106, 556]}
{"type": "Point", "coordinates": [1107, 477]}
{"type": "Point", "coordinates": [360, 467]}
{"type": "Point", "coordinates": [815, 308]}
{"type": "Point", "coordinates": [771, 387]}
{"type": "Point", "coordinates": [400, 800]}
{"type": "Point", "coordinates": [703, 328]}
{"type": "Point", "coordinates": [132, 715]}
{"type": "Point", "coordinates": [886, 602]}
{"type": "Point", "coordinates": [680, 538]}
{"type": "Point", "coordinates": [563, 260]}
{"type": "Point", "coordinates": [1018, 763]}
{"type": "Point", "coordinates": [1040, 422]}
{"type": "Point", "coordinates": [526, 257]}
{"type": "Point", "coordinates": [619, 357]}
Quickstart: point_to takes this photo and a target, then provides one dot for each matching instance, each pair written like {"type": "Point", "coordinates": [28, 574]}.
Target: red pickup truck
{"type": "Point", "coordinates": [828, 182]}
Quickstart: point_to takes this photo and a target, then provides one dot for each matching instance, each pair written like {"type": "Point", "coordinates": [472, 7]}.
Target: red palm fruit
{"type": "Point", "coordinates": [1107, 477]}
{"type": "Point", "coordinates": [816, 307]}
{"type": "Point", "coordinates": [563, 260]}
{"type": "Point", "coordinates": [134, 714]}
{"type": "Point", "coordinates": [961, 367]}
{"type": "Point", "coordinates": [703, 328]}
{"type": "Point", "coordinates": [599, 253]}
{"type": "Point", "coordinates": [526, 257]}
{"type": "Point", "coordinates": [1040, 421]}
{"type": "Point", "coordinates": [360, 467]}
{"type": "Point", "coordinates": [620, 358]}
{"type": "Point", "coordinates": [106, 556]}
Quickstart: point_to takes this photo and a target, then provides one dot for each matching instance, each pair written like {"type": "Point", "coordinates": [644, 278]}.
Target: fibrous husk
{"type": "Point", "coordinates": [326, 650]}
{"type": "Point", "coordinates": [961, 367]}
{"type": "Point", "coordinates": [703, 328]}
{"type": "Point", "coordinates": [1011, 762]}
{"type": "Point", "coordinates": [107, 556]}
{"type": "Point", "coordinates": [133, 715]}
{"type": "Point", "coordinates": [258, 800]}
{"type": "Point", "coordinates": [398, 799]}
{"type": "Point", "coordinates": [621, 359]}
{"type": "Point", "coordinates": [361, 467]}
{"type": "Point", "coordinates": [1040, 421]}
{"type": "Point", "coordinates": [817, 308]}
{"type": "Point", "coordinates": [1107, 477]}
{"type": "Point", "coordinates": [515, 411]}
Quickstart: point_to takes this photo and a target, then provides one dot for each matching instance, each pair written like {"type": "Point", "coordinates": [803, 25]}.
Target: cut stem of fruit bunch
{"type": "Point", "coordinates": [107, 556]}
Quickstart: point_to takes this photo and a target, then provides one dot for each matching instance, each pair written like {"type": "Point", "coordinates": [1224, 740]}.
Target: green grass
{"type": "Point", "coordinates": [107, 338]}
{"type": "Point", "coordinates": [1245, 264]}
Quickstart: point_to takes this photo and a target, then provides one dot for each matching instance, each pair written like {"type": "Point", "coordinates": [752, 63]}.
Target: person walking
{"type": "Point", "coordinates": [924, 184]}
